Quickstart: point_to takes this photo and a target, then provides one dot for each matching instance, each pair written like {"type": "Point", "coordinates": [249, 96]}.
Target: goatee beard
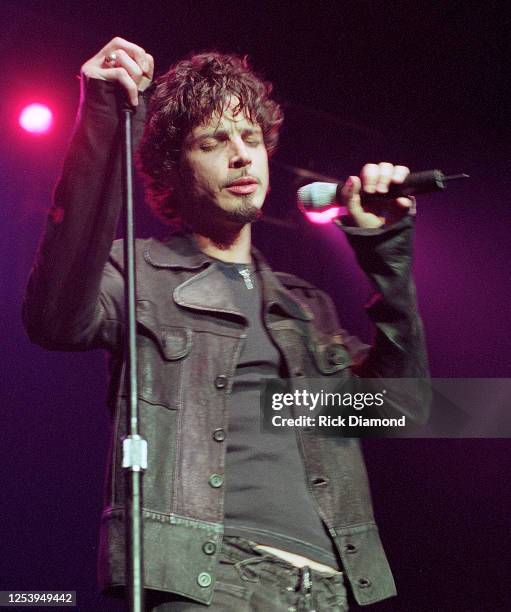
{"type": "Point", "coordinates": [245, 213]}
{"type": "Point", "coordinates": [221, 226]}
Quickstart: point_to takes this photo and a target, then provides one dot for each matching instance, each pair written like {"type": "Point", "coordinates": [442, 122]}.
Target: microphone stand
{"type": "Point", "coordinates": [134, 448]}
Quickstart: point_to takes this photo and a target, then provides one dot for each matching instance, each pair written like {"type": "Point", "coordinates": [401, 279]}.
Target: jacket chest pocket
{"type": "Point", "coordinates": [311, 353]}
{"type": "Point", "coordinates": [329, 354]}
{"type": "Point", "coordinates": [176, 343]}
{"type": "Point", "coordinates": [162, 351]}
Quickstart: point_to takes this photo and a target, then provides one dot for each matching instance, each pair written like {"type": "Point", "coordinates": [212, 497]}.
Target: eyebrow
{"type": "Point", "coordinates": [223, 133]}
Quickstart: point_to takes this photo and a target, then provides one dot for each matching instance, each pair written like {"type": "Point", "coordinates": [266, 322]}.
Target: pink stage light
{"type": "Point", "coordinates": [325, 216]}
{"type": "Point", "coordinates": [36, 118]}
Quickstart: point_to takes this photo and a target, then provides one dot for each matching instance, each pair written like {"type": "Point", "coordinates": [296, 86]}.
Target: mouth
{"type": "Point", "coordinates": [243, 186]}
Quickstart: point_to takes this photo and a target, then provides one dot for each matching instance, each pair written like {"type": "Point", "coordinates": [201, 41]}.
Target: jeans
{"type": "Point", "coordinates": [249, 580]}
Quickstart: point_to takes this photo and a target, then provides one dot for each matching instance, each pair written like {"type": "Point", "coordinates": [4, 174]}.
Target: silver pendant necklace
{"type": "Point", "coordinates": [245, 274]}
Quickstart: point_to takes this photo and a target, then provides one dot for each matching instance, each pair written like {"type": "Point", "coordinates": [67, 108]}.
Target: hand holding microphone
{"type": "Point", "coordinates": [375, 179]}
{"type": "Point", "coordinates": [382, 195]}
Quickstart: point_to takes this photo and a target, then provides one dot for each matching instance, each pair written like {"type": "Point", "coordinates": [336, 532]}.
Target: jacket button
{"type": "Point", "coordinates": [336, 355]}
{"type": "Point", "coordinates": [319, 482]}
{"type": "Point", "coordinates": [351, 548]}
{"type": "Point", "coordinates": [219, 435]}
{"type": "Point", "coordinates": [209, 548]}
{"type": "Point", "coordinates": [221, 381]}
{"type": "Point", "coordinates": [216, 480]}
{"type": "Point", "coordinates": [363, 583]}
{"type": "Point", "coordinates": [204, 579]}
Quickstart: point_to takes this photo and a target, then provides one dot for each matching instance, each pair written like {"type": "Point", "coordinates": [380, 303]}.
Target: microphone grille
{"type": "Point", "coordinates": [317, 195]}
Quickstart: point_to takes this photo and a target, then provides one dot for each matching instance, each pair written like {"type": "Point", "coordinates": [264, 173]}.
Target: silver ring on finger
{"type": "Point", "coordinates": [110, 59]}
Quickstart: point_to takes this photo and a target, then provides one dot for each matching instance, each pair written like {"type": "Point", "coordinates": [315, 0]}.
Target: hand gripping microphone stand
{"type": "Point", "coordinates": [134, 448]}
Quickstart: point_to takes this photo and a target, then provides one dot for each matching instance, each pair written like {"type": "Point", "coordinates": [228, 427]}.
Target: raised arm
{"type": "Point", "coordinates": [65, 306]}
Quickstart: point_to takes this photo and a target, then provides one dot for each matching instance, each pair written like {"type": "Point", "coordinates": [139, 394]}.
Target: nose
{"type": "Point", "coordinates": [240, 157]}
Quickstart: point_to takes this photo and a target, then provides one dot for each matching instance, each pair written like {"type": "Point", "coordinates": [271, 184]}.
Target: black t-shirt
{"type": "Point", "coordinates": [266, 498]}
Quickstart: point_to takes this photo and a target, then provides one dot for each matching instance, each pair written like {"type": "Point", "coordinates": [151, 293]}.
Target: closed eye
{"type": "Point", "coordinates": [208, 147]}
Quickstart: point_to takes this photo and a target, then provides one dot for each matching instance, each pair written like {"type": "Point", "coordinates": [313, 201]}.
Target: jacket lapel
{"type": "Point", "coordinates": [207, 290]}
{"type": "Point", "coordinates": [274, 292]}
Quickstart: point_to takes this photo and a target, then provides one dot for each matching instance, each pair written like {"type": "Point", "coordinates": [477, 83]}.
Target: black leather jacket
{"type": "Point", "coordinates": [189, 337]}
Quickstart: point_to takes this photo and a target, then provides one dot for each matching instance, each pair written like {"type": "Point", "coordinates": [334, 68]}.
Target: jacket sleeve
{"type": "Point", "coordinates": [74, 297]}
{"type": "Point", "coordinates": [399, 348]}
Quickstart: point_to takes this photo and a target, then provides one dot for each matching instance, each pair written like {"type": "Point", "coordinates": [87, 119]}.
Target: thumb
{"type": "Point", "coordinates": [351, 195]}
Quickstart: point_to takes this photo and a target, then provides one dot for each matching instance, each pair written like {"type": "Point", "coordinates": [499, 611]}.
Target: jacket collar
{"type": "Point", "coordinates": [182, 252]}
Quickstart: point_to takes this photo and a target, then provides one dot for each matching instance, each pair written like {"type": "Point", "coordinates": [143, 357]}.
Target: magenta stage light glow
{"type": "Point", "coordinates": [36, 118]}
{"type": "Point", "coordinates": [325, 216]}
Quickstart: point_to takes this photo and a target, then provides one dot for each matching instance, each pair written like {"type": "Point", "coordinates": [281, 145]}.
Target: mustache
{"type": "Point", "coordinates": [244, 174]}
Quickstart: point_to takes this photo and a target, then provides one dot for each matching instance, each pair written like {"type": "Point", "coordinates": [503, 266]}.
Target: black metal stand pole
{"type": "Point", "coordinates": [134, 458]}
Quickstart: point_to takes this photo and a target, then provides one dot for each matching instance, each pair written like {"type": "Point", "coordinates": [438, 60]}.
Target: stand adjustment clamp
{"type": "Point", "coordinates": [134, 453]}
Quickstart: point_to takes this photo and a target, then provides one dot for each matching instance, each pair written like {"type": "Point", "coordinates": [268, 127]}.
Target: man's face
{"type": "Point", "coordinates": [223, 170]}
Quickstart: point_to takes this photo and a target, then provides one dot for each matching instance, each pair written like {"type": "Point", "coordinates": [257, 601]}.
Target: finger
{"type": "Point", "coordinates": [149, 73]}
{"type": "Point", "coordinates": [408, 203]}
{"type": "Point", "coordinates": [147, 77]}
{"type": "Point", "coordinates": [130, 65]}
{"type": "Point", "coordinates": [121, 76]}
{"type": "Point", "coordinates": [400, 174]}
{"type": "Point", "coordinates": [385, 173]}
{"type": "Point", "coordinates": [351, 194]}
{"type": "Point", "coordinates": [369, 176]}
{"type": "Point", "coordinates": [134, 51]}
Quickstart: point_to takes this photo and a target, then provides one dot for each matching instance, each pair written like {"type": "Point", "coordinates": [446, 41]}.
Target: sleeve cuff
{"type": "Point", "coordinates": [104, 94]}
{"type": "Point", "coordinates": [373, 231]}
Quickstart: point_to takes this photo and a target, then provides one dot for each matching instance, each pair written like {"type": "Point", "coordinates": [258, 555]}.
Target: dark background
{"type": "Point", "coordinates": [417, 83]}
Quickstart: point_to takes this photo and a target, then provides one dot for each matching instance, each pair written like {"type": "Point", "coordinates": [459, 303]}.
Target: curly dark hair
{"type": "Point", "coordinates": [186, 96]}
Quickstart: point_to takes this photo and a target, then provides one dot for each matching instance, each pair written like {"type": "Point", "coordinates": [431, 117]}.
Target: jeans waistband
{"type": "Point", "coordinates": [237, 549]}
{"type": "Point", "coordinates": [315, 590]}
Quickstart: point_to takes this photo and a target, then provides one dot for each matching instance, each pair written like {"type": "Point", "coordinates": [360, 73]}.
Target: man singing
{"type": "Point", "coordinates": [234, 519]}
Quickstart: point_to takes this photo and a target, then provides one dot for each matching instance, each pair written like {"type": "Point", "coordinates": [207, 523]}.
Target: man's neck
{"type": "Point", "coordinates": [237, 251]}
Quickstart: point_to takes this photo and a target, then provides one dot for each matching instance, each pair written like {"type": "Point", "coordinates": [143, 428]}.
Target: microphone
{"type": "Point", "coordinates": [317, 196]}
